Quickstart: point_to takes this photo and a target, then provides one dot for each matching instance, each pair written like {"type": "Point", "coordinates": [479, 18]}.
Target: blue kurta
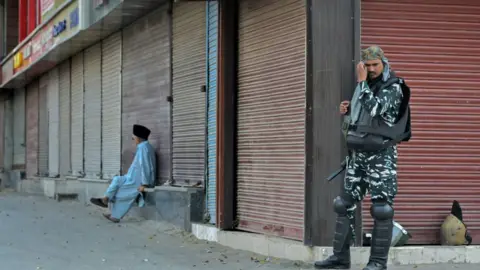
{"type": "Point", "coordinates": [123, 191]}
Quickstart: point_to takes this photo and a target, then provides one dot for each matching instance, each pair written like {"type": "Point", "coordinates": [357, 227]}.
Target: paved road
{"type": "Point", "coordinates": [41, 234]}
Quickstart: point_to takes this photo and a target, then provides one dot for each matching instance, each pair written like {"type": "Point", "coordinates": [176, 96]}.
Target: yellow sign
{"type": "Point", "coordinates": [18, 60]}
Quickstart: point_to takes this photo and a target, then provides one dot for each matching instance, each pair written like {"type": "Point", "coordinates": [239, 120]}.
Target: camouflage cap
{"type": "Point", "coordinates": [372, 53]}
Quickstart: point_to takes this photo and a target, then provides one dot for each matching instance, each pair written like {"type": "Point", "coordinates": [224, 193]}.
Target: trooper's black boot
{"type": "Point", "coordinates": [341, 247]}
{"type": "Point", "coordinates": [381, 241]}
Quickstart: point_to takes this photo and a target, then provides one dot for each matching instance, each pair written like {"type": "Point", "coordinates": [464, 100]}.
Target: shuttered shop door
{"type": "Point", "coordinates": [111, 105]}
{"type": "Point", "coordinates": [64, 85]}
{"type": "Point", "coordinates": [53, 103]}
{"type": "Point", "coordinates": [189, 73]}
{"type": "Point", "coordinates": [43, 126]}
{"type": "Point", "coordinates": [93, 103]}
{"type": "Point", "coordinates": [434, 45]}
{"type": "Point", "coordinates": [212, 38]}
{"type": "Point", "coordinates": [145, 87]}
{"type": "Point", "coordinates": [271, 116]}
{"type": "Point", "coordinates": [77, 114]}
{"type": "Point", "coordinates": [32, 129]}
{"type": "Point", "coordinates": [2, 132]}
{"type": "Point", "coordinates": [19, 129]}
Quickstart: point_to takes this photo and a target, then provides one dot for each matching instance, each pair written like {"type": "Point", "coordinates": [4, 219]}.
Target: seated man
{"type": "Point", "coordinates": [127, 189]}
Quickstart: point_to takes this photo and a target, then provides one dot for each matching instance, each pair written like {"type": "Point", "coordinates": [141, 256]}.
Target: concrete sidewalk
{"type": "Point", "coordinates": [40, 233]}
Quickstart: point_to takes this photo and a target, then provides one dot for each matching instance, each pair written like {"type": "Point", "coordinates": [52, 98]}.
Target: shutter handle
{"type": "Point", "coordinates": [203, 88]}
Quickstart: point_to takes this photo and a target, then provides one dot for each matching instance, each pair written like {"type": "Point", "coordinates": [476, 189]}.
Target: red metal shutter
{"type": "Point", "coordinates": [32, 129]}
{"type": "Point", "coordinates": [271, 117]}
{"type": "Point", "coordinates": [435, 46]}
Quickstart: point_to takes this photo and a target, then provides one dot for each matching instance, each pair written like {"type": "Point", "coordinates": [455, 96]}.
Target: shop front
{"type": "Point", "coordinates": [434, 45]}
{"type": "Point", "coordinates": [271, 117]}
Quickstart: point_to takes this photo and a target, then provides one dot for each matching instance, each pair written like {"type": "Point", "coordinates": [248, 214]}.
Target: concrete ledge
{"type": "Point", "coordinates": [179, 206]}
{"type": "Point", "coordinates": [296, 251]}
{"type": "Point", "coordinates": [51, 187]}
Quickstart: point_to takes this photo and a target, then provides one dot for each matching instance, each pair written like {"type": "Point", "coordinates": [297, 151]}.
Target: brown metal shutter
{"type": "Point", "coordinates": [43, 126]}
{"type": "Point", "coordinates": [271, 117]}
{"type": "Point", "coordinates": [434, 45]}
{"type": "Point", "coordinates": [19, 129]}
{"type": "Point", "coordinates": [146, 86]}
{"type": "Point", "coordinates": [189, 72]}
{"type": "Point", "coordinates": [2, 132]}
{"type": "Point", "coordinates": [32, 129]}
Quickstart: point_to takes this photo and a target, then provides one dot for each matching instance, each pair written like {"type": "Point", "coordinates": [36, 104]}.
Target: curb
{"type": "Point", "coordinates": [296, 251]}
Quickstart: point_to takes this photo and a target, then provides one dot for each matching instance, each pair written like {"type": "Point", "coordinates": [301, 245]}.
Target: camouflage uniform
{"type": "Point", "coordinates": [374, 172]}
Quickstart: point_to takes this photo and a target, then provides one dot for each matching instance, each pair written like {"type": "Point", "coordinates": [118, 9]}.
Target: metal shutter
{"type": "Point", "coordinates": [32, 129]}
{"type": "Point", "coordinates": [434, 45]}
{"type": "Point", "coordinates": [111, 105]}
{"type": "Point", "coordinates": [271, 117]}
{"type": "Point", "coordinates": [77, 114]}
{"type": "Point", "coordinates": [212, 38]}
{"type": "Point", "coordinates": [53, 100]}
{"type": "Point", "coordinates": [93, 110]}
{"type": "Point", "coordinates": [43, 126]}
{"type": "Point", "coordinates": [8, 133]}
{"type": "Point", "coordinates": [65, 118]}
{"type": "Point", "coordinates": [189, 71]}
{"type": "Point", "coordinates": [2, 133]}
{"type": "Point", "coordinates": [145, 87]}
{"type": "Point", "coordinates": [19, 129]}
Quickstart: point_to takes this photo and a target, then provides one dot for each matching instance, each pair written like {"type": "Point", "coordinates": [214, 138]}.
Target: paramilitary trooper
{"type": "Point", "coordinates": [376, 120]}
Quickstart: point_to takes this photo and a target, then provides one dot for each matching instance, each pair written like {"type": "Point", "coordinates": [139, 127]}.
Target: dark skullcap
{"type": "Point", "coordinates": [141, 131]}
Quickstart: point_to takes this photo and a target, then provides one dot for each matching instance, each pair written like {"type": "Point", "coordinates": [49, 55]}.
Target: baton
{"type": "Point", "coordinates": [338, 171]}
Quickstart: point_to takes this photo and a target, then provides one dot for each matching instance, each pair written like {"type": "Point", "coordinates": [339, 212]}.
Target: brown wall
{"type": "Point", "coordinates": [330, 79]}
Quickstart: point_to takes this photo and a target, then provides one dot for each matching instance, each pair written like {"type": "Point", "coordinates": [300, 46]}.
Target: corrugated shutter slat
{"type": "Point", "coordinates": [43, 126]}
{"type": "Point", "coordinates": [145, 87]}
{"type": "Point", "coordinates": [2, 132]}
{"type": "Point", "coordinates": [53, 122]}
{"type": "Point", "coordinates": [271, 117]}
{"type": "Point", "coordinates": [32, 129]}
{"type": "Point", "coordinates": [212, 109]}
{"type": "Point", "coordinates": [111, 105]}
{"type": "Point", "coordinates": [19, 128]}
{"type": "Point", "coordinates": [65, 118]}
{"type": "Point", "coordinates": [93, 119]}
{"type": "Point", "coordinates": [434, 45]}
{"type": "Point", "coordinates": [189, 72]}
{"type": "Point", "coordinates": [77, 114]}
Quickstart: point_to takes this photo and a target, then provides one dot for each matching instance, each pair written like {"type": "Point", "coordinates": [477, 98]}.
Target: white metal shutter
{"type": "Point", "coordinates": [189, 75]}
{"type": "Point", "coordinates": [19, 129]}
{"type": "Point", "coordinates": [65, 121]}
{"type": "Point", "coordinates": [93, 103]}
{"type": "Point", "coordinates": [43, 126]}
{"type": "Point", "coordinates": [111, 105]}
{"type": "Point", "coordinates": [271, 117]}
{"type": "Point", "coordinates": [53, 123]}
{"type": "Point", "coordinates": [77, 114]}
